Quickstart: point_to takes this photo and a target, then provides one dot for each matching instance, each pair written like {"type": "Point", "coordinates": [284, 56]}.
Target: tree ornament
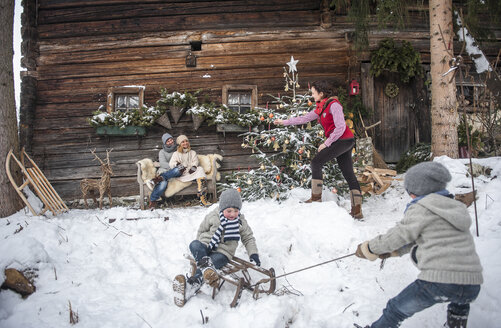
{"type": "Point", "coordinates": [308, 153]}
{"type": "Point", "coordinates": [308, 126]}
{"type": "Point", "coordinates": [276, 146]}
{"type": "Point", "coordinates": [268, 141]}
{"type": "Point", "coordinates": [281, 106]}
{"type": "Point", "coordinates": [309, 103]}
{"type": "Point", "coordinates": [239, 189]}
{"type": "Point", "coordinates": [284, 148]}
{"type": "Point", "coordinates": [286, 141]}
{"type": "Point", "coordinates": [249, 181]}
{"type": "Point", "coordinates": [321, 133]}
{"type": "Point", "coordinates": [292, 65]}
{"type": "Point", "coordinates": [277, 177]}
{"type": "Point", "coordinates": [262, 167]}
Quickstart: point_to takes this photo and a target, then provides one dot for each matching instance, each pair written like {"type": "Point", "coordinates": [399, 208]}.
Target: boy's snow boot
{"type": "Point", "coordinates": [184, 288]}
{"type": "Point", "coordinates": [455, 321]}
{"type": "Point", "coordinates": [209, 272]}
{"type": "Point", "coordinates": [316, 191]}
{"type": "Point", "coordinates": [356, 204]}
{"type": "Point", "coordinates": [202, 192]}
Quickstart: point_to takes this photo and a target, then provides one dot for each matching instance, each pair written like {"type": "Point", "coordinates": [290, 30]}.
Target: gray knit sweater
{"type": "Point", "coordinates": [436, 230]}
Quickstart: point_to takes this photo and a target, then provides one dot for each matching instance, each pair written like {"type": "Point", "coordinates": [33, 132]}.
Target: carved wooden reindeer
{"type": "Point", "coordinates": [103, 185]}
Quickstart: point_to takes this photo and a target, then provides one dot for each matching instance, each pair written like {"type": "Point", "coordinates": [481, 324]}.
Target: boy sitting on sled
{"type": "Point", "coordinates": [436, 231]}
{"type": "Point", "coordinates": [216, 244]}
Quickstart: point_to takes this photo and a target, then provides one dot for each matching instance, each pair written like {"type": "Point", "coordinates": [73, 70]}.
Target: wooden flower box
{"type": "Point", "coordinates": [117, 131]}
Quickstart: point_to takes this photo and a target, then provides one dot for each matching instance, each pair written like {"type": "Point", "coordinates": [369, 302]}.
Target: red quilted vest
{"type": "Point", "coordinates": [326, 119]}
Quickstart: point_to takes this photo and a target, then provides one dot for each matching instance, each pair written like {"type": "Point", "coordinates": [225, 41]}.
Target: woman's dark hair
{"type": "Point", "coordinates": [323, 86]}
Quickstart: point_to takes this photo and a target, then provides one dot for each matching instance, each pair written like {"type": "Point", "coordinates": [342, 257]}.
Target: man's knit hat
{"type": "Point", "coordinates": [425, 178]}
{"type": "Point", "coordinates": [230, 198]}
{"type": "Point", "coordinates": [181, 138]}
{"type": "Point", "coordinates": [165, 137]}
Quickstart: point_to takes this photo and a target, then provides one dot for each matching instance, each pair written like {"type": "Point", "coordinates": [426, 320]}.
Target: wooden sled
{"type": "Point", "coordinates": [34, 176]}
{"type": "Point", "coordinates": [236, 273]}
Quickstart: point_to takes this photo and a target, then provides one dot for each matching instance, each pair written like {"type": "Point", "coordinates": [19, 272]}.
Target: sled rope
{"type": "Point", "coordinates": [303, 269]}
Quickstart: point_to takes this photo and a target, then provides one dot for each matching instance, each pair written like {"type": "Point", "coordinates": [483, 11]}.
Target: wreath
{"type": "Point", "coordinates": [391, 90]}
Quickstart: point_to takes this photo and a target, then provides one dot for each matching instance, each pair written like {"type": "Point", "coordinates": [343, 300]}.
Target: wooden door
{"type": "Point", "coordinates": [404, 114]}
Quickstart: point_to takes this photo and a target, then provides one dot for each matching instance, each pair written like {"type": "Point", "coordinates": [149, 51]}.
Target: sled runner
{"type": "Point", "coordinates": [236, 273]}
{"type": "Point", "coordinates": [33, 176]}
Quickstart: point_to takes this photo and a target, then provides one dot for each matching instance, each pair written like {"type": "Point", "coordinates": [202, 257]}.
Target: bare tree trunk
{"type": "Point", "coordinates": [9, 139]}
{"type": "Point", "coordinates": [444, 139]}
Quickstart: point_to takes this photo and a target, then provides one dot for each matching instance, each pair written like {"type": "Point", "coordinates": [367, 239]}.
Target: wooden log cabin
{"type": "Point", "coordinates": [76, 52]}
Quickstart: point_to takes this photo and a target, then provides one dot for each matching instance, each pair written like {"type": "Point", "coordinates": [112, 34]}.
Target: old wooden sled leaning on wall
{"type": "Point", "coordinates": [236, 273]}
{"type": "Point", "coordinates": [33, 176]}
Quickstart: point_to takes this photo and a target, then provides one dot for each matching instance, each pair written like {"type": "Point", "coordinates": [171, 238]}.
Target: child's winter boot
{"type": "Point", "coordinates": [184, 288]}
{"type": "Point", "coordinates": [455, 320]}
{"type": "Point", "coordinates": [209, 272]}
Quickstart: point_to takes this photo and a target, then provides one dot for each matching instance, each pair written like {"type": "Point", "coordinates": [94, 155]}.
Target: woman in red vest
{"type": "Point", "coordinates": [338, 144]}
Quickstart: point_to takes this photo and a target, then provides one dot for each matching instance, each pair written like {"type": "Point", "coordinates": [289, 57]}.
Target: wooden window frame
{"type": "Point", "coordinates": [240, 87]}
{"type": "Point", "coordinates": [471, 108]}
{"type": "Point", "coordinates": [110, 103]}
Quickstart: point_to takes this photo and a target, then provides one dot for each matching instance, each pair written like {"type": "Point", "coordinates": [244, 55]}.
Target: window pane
{"type": "Point", "coordinates": [133, 102]}
{"type": "Point", "coordinates": [121, 103]}
{"type": "Point", "coordinates": [234, 107]}
{"type": "Point", "coordinates": [245, 98]}
{"type": "Point", "coordinates": [233, 99]}
{"type": "Point", "coordinates": [244, 109]}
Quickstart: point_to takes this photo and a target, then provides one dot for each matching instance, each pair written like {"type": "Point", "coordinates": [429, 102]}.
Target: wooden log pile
{"type": "Point", "coordinates": [375, 181]}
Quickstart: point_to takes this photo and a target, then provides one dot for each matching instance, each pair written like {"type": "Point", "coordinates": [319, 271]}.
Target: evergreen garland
{"type": "Point", "coordinates": [402, 59]}
{"type": "Point", "coordinates": [134, 117]}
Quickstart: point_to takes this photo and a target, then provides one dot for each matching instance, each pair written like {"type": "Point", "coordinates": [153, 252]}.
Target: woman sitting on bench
{"type": "Point", "coordinates": [187, 161]}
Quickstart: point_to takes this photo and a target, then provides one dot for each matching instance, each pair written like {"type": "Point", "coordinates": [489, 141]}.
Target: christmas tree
{"type": "Point", "coordinates": [284, 153]}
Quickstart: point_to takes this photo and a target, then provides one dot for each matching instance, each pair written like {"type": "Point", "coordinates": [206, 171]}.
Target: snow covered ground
{"type": "Point", "coordinates": [120, 274]}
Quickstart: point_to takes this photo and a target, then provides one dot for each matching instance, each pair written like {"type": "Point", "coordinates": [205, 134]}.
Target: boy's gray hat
{"type": "Point", "coordinates": [425, 178]}
{"type": "Point", "coordinates": [230, 198]}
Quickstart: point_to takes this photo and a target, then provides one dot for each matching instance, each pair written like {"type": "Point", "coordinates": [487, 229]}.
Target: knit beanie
{"type": "Point", "coordinates": [426, 178]}
{"type": "Point", "coordinates": [181, 138]}
{"type": "Point", "coordinates": [166, 137]}
{"type": "Point", "coordinates": [230, 198]}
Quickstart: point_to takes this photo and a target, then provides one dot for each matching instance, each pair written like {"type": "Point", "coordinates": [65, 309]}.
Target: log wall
{"type": "Point", "coordinates": [74, 50]}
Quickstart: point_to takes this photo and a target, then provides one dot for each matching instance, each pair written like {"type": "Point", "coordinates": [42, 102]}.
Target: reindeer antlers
{"type": "Point", "coordinates": [107, 156]}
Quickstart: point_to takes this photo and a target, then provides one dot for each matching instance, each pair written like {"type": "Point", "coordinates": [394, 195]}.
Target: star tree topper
{"type": "Point", "coordinates": [292, 65]}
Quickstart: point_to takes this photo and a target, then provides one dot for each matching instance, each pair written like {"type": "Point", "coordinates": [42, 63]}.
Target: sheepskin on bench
{"type": "Point", "coordinates": [149, 170]}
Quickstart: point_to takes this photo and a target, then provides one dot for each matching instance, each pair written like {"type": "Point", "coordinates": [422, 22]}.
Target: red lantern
{"type": "Point", "coordinates": [354, 88]}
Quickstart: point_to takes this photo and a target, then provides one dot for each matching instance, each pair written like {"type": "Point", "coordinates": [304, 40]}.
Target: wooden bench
{"type": "Point", "coordinates": [145, 190]}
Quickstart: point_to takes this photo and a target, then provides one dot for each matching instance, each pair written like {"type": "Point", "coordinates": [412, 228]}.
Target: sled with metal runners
{"type": "Point", "coordinates": [236, 273]}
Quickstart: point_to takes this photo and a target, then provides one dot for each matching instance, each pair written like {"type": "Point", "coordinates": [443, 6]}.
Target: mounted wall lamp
{"type": "Point", "coordinates": [191, 60]}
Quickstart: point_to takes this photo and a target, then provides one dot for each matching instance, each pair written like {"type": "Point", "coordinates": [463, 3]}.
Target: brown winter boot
{"type": "Point", "coordinates": [202, 192]}
{"type": "Point", "coordinates": [316, 191]}
{"type": "Point", "coordinates": [153, 205]}
{"type": "Point", "coordinates": [356, 204]}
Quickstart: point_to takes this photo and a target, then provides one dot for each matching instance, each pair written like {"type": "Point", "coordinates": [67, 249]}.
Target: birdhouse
{"type": "Point", "coordinates": [354, 88]}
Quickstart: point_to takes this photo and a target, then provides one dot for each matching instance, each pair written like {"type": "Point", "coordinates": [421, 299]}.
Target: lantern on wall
{"type": "Point", "coordinates": [191, 60]}
{"type": "Point", "coordinates": [354, 88]}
